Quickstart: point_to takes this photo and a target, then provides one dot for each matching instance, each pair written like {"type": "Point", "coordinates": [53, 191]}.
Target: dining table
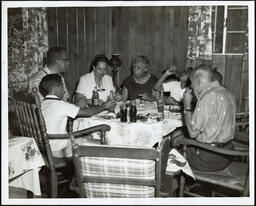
{"type": "Point", "coordinates": [148, 130]}
{"type": "Point", "coordinates": [24, 164]}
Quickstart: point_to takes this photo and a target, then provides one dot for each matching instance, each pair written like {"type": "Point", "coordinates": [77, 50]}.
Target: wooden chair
{"type": "Point", "coordinates": [234, 177]}
{"type": "Point", "coordinates": [104, 171]}
{"type": "Point", "coordinates": [242, 122]}
{"type": "Point", "coordinates": [32, 124]}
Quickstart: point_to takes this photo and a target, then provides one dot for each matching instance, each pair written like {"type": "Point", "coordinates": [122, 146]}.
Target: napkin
{"type": "Point", "coordinates": [177, 162]}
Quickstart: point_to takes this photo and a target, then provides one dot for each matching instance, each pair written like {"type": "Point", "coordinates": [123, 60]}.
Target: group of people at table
{"type": "Point", "coordinates": [208, 107]}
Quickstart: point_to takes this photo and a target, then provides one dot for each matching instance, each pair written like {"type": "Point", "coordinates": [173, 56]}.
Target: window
{"type": "Point", "coordinates": [230, 29]}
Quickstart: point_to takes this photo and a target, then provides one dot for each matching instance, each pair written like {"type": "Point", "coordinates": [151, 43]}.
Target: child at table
{"type": "Point", "coordinates": [56, 112]}
{"type": "Point", "coordinates": [175, 87]}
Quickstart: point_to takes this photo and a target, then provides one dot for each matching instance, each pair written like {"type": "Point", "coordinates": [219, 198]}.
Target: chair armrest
{"type": "Point", "coordinates": [58, 136]}
{"type": "Point", "coordinates": [99, 128]}
{"type": "Point", "coordinates": [189, 141]}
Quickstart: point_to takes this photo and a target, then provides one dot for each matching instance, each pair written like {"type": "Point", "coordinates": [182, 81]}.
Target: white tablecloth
{"type": "Point", "coordinates": [24, 163]}
{"type": "Point", "coordinates": [139, 133]}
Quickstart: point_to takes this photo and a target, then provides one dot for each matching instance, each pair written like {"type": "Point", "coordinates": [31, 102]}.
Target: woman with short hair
{"type": "Point", "coordinates": [140, 82]}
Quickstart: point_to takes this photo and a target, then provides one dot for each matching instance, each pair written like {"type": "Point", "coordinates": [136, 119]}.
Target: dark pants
{"type": "Point", "coordinates": [207, 161]}
{"type": "Point", "coordinates": [201, 159]}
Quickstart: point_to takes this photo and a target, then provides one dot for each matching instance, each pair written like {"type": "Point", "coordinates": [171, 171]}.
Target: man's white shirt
{"type": "Point", "coordinates": [56, 113]}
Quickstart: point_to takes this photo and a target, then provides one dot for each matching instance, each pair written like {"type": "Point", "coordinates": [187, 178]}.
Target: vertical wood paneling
{"type": "Point", "coordinates": [168, 37]}
{"type": "Point", "coordinates": [146, 19]}
{"type": "Point", "coordinates": [219, 61]}
{"type": "Point", "coordinates": [52, 32]}
{"type": "Point", "coordinates": [72, 29]}
{"type": "Point", "coordinates": [81, 63]}
{"type": "Point", "coordinates": [122, 43]}
{"type": "Point", "coordinates": [116, 18]}
{"type": "Point", "coordinates": [157, 32]}
{"type": "Point", "coordinates": [236, 76]}
{"type": "Point", "coordinates": [90, 33]}
{"type": "Point", "coordinates": [62, 27]}
{"type": "Point", "coordinates": [156, 41]}
{"type": "Point", "coordinates": [233, 77]}
{"type": "Point", "coordinates": [100, 33]}
{"type": "Point", "coordinates": [70, 75]}
{"type": "Point", "coordinates": [180, 30]}
{"type": "Point", "coordinates": [133, 38]}
{"type": "Point", "coordinates": [228, 71]}
{"type": "Point", "coordinates": [129, 31]}
{"type": "Point", "coordinates": [108, 31]}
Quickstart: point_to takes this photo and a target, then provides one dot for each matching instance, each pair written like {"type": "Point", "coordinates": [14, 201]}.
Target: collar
{"type": "Point", "coordinates": [52, 97]}
{"type": "Point", "coordinates": [212, 85]}
{"type": "Point", "coordinates": [46, 70]}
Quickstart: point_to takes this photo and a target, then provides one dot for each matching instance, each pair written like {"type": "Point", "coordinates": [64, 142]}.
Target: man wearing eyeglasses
{"type": "Point", "coordinates": [57, 63]}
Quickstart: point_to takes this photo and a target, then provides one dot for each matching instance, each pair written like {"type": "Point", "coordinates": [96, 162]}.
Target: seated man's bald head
{"type": "Point", "coordinates": [201, 77]}
{"type": "Point", "coordinates": [202, 72]}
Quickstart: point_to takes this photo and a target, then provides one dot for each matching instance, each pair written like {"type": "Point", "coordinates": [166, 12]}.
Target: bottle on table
{"type": "Point", "coordinates": [160, 102]}
{"type": "Point", "coordinates": [111, 98]}
{"type": "Point", "coordinates": [160, 106]}
{"type": "Point", "coordinates": [95, 97]}
{"type": "Point", "coordinates": [133, 112]}
{"type": "Point", "coordinates": [123, 112]}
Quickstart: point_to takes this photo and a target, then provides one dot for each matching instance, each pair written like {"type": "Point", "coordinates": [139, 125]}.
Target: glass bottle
{"type": "Point", "coordinates": [133, 112]}
{"type": "Point", "coordinates": [160, 102]}
{"type": "Point", "coordinates": [123, 112]}
{"type": "Point", "coordinates": [95, 96]}
{"type": "Point", "coordinates": [111, 98]}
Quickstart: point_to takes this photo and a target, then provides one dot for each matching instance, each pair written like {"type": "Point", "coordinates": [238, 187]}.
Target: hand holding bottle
{"type": "Point", "coordinates": [110, 105]}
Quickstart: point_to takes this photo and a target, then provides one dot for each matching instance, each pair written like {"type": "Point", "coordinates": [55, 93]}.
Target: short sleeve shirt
{"type": "Point", "coordinates": [55, 113]}
{"type": "Point", "coordinates": [214, 114]}
{"type": "Point", "coordinates": [134, 89]}
{"type": "Point", "coordinates": [87, 83]}
{"type": "Point", "coordinates": [36, 78]}
{"type": "Point", "coordinates": [175, 89]}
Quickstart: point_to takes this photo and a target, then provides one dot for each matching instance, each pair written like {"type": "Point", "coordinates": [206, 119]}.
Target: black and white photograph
{"type": "Point", "coordinates": [128, 102]}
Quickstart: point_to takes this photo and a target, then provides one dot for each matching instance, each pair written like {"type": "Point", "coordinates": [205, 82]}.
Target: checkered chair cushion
{"type": "Point", "coordinates": [117, 167]}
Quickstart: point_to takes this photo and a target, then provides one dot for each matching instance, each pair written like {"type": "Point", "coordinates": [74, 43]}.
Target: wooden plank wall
{"type": "Point", "coordinates": [234, 70]}
{"type": "Point", "coordinates": [157, 32]}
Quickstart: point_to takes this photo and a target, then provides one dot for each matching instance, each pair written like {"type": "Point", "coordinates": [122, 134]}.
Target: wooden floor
{"type": "Point", "coordinates": [22, 193]}
{"type": "Point", "coordinates": [15, 192]}
{"type": "Point", "coordinates": [65, 192]}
